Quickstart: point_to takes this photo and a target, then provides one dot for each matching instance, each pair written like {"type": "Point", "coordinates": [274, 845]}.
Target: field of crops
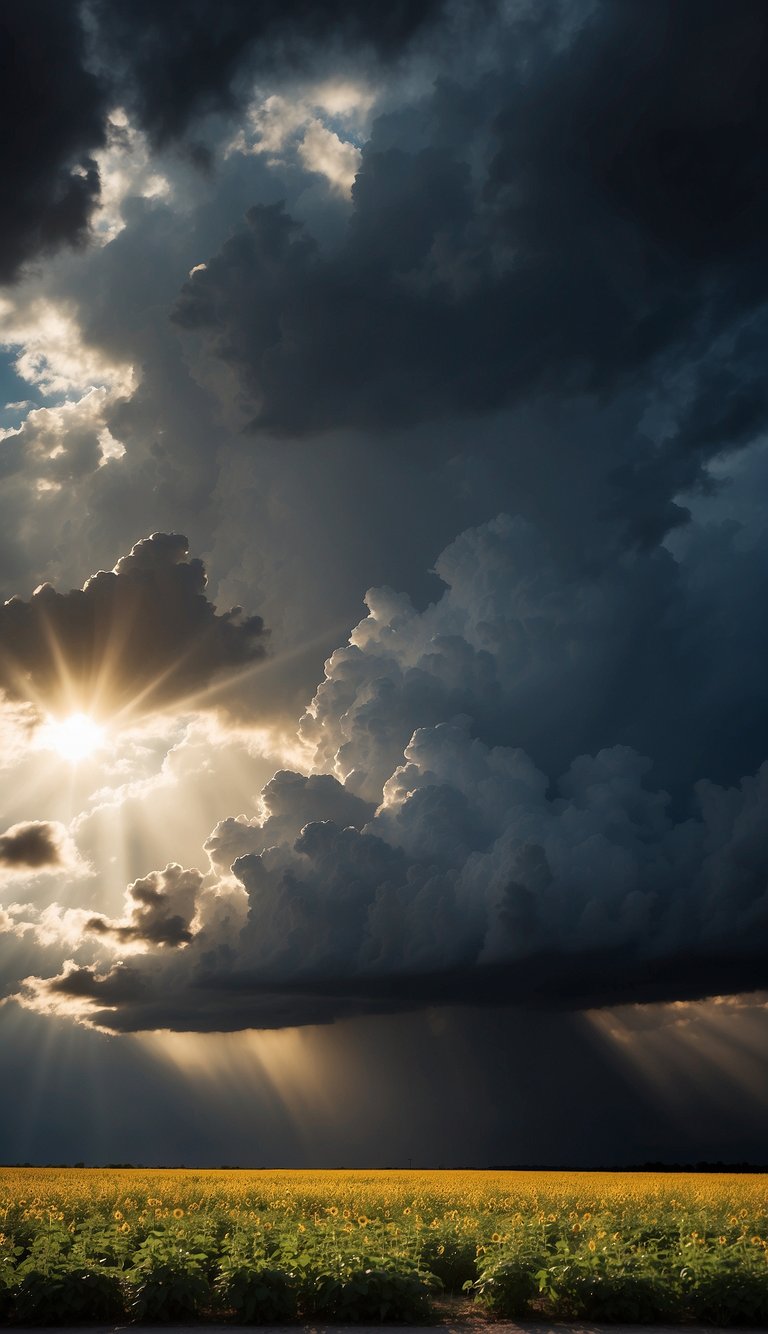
{"type": "Point", "coordinates": [275, 1247]}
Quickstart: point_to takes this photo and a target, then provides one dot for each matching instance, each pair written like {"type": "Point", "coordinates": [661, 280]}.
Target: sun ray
{"type": "Point", "coordinates": [205, 696]}
{"type": "Point", "coordinates": [691, 1049]}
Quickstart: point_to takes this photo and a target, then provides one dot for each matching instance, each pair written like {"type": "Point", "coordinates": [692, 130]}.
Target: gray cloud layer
{"type": "Point", "coordinates": [141, 635]}
{"type": "Point", "coordinates": [440, 867]}
{"type": "Point", "coordinates": [471, 886]}
{"type": "Point", "coordinates": [158, 909]}
{"type": "Point", "coordinates": [176, 73]}
{"type": "Point", "coordinates": [549, 295]}
{"type": "Point", "coordinates": [65, 65]}
{"type": "Point", "coordinates": [585, 217]}
{"type": "Point", "coordinates": [32, 845]}
{"type": "Point", "coordinates": [56, 106]}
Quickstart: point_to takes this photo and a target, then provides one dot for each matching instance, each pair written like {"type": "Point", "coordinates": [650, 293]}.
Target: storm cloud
{"type": "Point", "coordinates": [467, 308]}
{"type": "Point", "coordinates": [470, 886]}
{"type": "Point", "coordinates": [558, 657]}
{"type": "Point", "coordinates": [138, 636]}
{"type": "Point", "coordinates": [289, 801]}
{"type": "Point", "coordinates": [584, 218]}
{"type": "Point", "coordinates": [173, 74]}
{"type": "Point", "coordinates": [65, 66]}
{"type": "Point", "coordinates": [57, 106]}
{"type": "Point", "coordinates": [159, 910]}
{"type": "Point", "coordinates": [34, 845]}
{"type": "Point", "coordinates": [441, 865]}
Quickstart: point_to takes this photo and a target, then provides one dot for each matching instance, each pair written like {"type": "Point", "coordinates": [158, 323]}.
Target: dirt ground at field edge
{"type": "Point", "coordinates": [453, 1315]}
{"type": "Point", "coordinates": [505, 1327]}
{"type": "Point", "coordinates": [455, 1326]}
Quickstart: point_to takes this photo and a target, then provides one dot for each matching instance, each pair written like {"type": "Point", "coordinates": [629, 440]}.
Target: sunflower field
{"type": "Point", "coordinates": [415, 1247]}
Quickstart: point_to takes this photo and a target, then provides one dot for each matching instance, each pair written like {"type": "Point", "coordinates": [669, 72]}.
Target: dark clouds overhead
{"type": "Point", "coordinates": [32, 846]}
{"type": "Point", "coordinates": [586, 217]}
{"type": "Point", "coordinates": [159, 910]}
{"type": "Point", "coordinates": [139, 636]}
{"type": "Point", "coordinates": [55, 106]}
{"type": "Point", "coordinates": [559, 658]}
{"type": "Point", "coordinates": [470, 886]}
{"type": "Point", "coordinates": [541, 783]}
{"type": "Point", "coordinates": [431, 861]}
{"type": "Point", "coordinates": [175, 71]}
{"type": "Point", "coordinates": [63, 66]}
{"type": "Point", "coordinates": [290, 801]}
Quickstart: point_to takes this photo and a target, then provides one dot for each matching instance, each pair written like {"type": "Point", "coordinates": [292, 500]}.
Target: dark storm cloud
{"type": "Point", "coordinates": [176, 69]}
{"type": "Point", "coordinates": [120, 986]}
{"type": "Point", "coordinates": [52, 110]}
{"type": "Point", "coordinates": [159, 909]}
{"type": "Point", "coordinates": [582, 223]}
{"type": "Point", "coordinates": [435, 861]}
{"type": "Point", "coordinates": [559, 658]}
{"type": "Point", "coordinates": [141, 635]}
{"type": "Point", "coordinates": [342, 924]}
{"type": "Point", "coordinates": [32, 845]}
{"type": "Point", "coordinates": [63, 65]}
{"type": "Point", "coordinates": [290, 800]}
{"type": "Point", "coordinates": [588, 215]}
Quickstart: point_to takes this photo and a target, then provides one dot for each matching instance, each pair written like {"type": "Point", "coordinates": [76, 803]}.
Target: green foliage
{"type": "Point", "coordinates": [259, 1295]}
{"type": "Point", "coordinates": [170, 1279]}
{"type": "Point", "coordinates": [729, 1296]}
{"type": "Point", "coordinates": [6, 1295]}
{"type": "Point", "coordinates": [257, 1248]}
{"type": "Point", "coordinates": [582, 1289]}
{"type": "Point", "coordinates": [367, 1296]}
{"type": "Point", "coordinates": [67, 1297]}
{"type": "Point", "coordinates": [452, 1261]}
{"type": "Point", "coordinates": [170, 1292]}
{"type": "Point", "coordinates": [507, 1287]}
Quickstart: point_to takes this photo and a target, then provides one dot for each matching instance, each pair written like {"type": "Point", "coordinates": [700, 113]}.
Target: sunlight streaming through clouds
{"type": "Point", "coordinates": [383, 554]}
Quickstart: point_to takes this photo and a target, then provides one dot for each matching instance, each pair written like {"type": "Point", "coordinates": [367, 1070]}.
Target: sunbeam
{"type": "Point", "coordinates": [693, 1051]}
{"type": "Point", "coordinates": [383, 556]}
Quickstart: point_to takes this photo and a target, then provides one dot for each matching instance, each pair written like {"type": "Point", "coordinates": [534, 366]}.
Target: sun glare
{"type": "Point", "coordinates": [74, 738]}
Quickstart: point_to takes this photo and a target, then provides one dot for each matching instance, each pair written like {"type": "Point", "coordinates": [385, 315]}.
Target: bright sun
{"type": "Point", "coordinates": [74, 738]}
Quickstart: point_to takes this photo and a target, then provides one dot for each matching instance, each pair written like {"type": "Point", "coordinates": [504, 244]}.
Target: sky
{"type": "Point", "coordinates": [384, 764]}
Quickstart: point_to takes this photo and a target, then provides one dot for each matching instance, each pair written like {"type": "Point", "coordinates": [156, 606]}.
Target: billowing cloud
{"type": "Point", "coordinates": [440, 864]}
{"type": "Point", "coordinates": [136, 637]}
{"type": "Point", "coordinates": [557, 657]}
{"type": "Point", "coordinates": [288, 801]}
{"type": "Point", "coordinates": [471, 886]}
{"type": "Point", "coordinates": [518, 269]}
{"type": "Point", "coordinates": [56, 106]}
{"type": "Point", "coordinates": [66, 68]}
{"type": "Point", "coordinates": [322, 151]}
{"type": "Point", "coordinates": [33, 846]}
{"type": "Point", "coordinates": [175, 74]}
{"type": "Point", "coordinates": [278, 125]}
{"type": "Point", "coordinates": [579, 217]}
{"type": "Point", "coordinates": [58, 446]}
{"type": "Point", "coordinates": [159, 909]}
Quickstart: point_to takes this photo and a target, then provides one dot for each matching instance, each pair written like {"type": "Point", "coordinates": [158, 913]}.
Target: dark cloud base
{"type": "Point", "coordinates": [551, 286]}
{"type": "Point", "coordinates": [31, 845]}
{"type": "Point", "coordinates": [174, 74]}
{"type": "Point", "coordinates": [141, 636]}
{"type": "Point", "coordinates": [547, 982]}
{"type": "Point", "coordinates": [56, 106]}
{"type": "Point", "coordinates": [60, 75]}
{"type": "Point", "coordinates": [433, 868]}
{"type": "Point", "coordinates": [587, 218]}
